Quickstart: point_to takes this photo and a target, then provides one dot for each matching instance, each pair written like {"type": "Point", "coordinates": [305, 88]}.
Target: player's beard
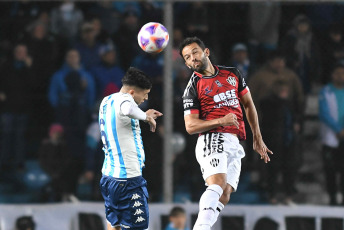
{"type": "Point", "coordinates": [203, 64]}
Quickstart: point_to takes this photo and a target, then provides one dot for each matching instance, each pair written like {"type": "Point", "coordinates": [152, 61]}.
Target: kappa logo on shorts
{"type": "Point", "coordinates": [137, 204]}
{"type": "Point", "coordinates": [140, 219]}
{"type": "Point", "coordinates": [138, 212]}
{"type": "Point", "coordinates": [214, 162]}
{"type": "Point", "coordinates": [135, 196]}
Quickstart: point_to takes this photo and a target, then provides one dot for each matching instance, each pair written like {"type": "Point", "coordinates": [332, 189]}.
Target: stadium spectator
{"type": "Point", "coordinates": [264, 21]}
{"type": "Point", "coordinates": [107, 72]}
{"type": "Point", "coordinates": [333, 51]}
{"type": "Point", "coordinates": [102, 36]}
{"type": "Point", "coordinates": [66, 20]}
{"type": "Point", "coordinates": [301, 50]}
{"type": "Point", "coordinates": [177, 218]}
{"type": "Point", "coordinates": [15, 85]}
{"type": "Point", "coordinates": [196, 22]}
{"type": "Point", "coordinates": [72, 95]}
{"type": "Point", "coordinates": [44, 51]}
{"type": "Point", "coordinates": [126, 38]}
{"type": "Point", "coordinates": [240, 60]}
{"type": "Point", "coordinates": [55, 159]}
{"type": "Point", "coordinates": [261, 83]}
{"type": "Point", "coordinates": [277, 122]}
{"type": "Point", "coordinates": [88, 46]}
{"type": "Point", "coordinates": [331, 114]}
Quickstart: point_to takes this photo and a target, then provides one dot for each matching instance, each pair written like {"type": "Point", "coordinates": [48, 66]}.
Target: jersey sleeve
{"type": "Point", "coordinates": [242, 87]}
{"type": "Point", "coordinates": [190, 98]}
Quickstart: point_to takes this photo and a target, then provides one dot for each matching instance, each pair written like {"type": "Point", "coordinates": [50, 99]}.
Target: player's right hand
{"type": "Point", "coordinates": [152, 123]}
{"type": "Point", "coordinates": [228, 120]}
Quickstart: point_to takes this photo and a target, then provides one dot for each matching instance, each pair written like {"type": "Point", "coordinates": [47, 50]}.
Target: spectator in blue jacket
{"type": "Point", "coordinates": [107, 72]}
{"type": "Point", "coordinates": [331, 113]}
{"type": "Point", "coordinates": [58, 85]}
{"type": "Point", "coordinates": [72, 95]}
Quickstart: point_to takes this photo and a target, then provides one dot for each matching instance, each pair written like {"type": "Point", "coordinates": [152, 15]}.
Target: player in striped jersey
{"type": "Point", "coordinates": [122, 185]}
{"type": "Point", "coordinates": [212, 109]}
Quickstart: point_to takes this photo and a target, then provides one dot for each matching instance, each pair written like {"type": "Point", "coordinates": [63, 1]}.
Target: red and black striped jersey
{"type": "Point", "coordinates": [215, 96]}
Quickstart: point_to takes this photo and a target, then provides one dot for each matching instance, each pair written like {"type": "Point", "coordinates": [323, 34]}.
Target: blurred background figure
{"type": "Point", "coordinates": [240, 60]}
{"type": "Point", "coordinates": [107, 74]}
{"type": "Point", "coordinates": [25, 223]}
{"type": "Point", "coordinates": [72, 96]}
{"type": "Point", "coordinates": [126, 38]}
{"type": "Point", "coordinates": [277, 123]}
{"type": "Point", "coordinates": [333, 51]}
{"type": "Point", "coordinates": [302, 53]}
{"type": "Point", "coordinates": [66, 20]}
{"type": "Point", "coordinates": [262, 81]}
{"type": "Point", "coordinates": [331, 114]}
{"type": "Point", "coordinates": [88, 46]}
{"type": "Point", "coordinates": [177, 218]}
{"type": "Point", "coordinates": [263, 21]}
{"type": "Point", "coordinates": [55, 159]}
{"type": "Point", "coordinates": [15, 105]}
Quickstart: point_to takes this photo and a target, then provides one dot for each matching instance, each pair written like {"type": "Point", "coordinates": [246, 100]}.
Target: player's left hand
{"type": "Point", "coordinates": [260, 147]}
{"type": "Point", "coordinates": [153, 113]}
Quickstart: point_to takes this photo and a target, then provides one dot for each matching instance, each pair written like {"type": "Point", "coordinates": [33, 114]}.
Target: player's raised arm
{"type": "Point", "coordinates": [252, 117]}
{"type": "Point", "coordinates": [195, 125]}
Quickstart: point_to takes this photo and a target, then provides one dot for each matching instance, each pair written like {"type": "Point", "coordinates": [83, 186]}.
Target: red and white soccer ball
{"type": "Point", "coordinates": [153, 37]}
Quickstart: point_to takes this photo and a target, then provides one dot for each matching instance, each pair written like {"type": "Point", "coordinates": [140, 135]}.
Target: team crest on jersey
{"type": "Point", "coordinates": [231, 80]}
{"type": "Point", "coordinates": [218, 83]}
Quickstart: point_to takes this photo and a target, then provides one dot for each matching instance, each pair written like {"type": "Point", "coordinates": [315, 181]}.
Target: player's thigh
{"type": "Point", "coordinates": [234, 155]}
{"type": "Point", "coordinates": [211, 156]}
{"type": "Point", "coordinates": [136, 215]}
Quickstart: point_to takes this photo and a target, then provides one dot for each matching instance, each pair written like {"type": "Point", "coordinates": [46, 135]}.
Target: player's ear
{"type": "Point", "coordinates": [207, 52]}
{"type": "Point", "coordinates": [131, 92]}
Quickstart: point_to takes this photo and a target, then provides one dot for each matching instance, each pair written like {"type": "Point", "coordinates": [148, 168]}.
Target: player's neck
{"type": "Point", "coordinates": [210, 70]}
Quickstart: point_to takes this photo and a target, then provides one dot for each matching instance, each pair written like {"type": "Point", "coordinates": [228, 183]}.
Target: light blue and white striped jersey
{"type": "Point", "coordinates": [121, 137]}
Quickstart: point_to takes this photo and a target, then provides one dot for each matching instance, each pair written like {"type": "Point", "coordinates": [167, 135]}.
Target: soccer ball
{"type": "Point", "coordinates": [153, 37]}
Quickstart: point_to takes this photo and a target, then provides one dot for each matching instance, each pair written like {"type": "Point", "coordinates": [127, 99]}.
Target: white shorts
{"type": "Point", "coordinates": [220, 153]}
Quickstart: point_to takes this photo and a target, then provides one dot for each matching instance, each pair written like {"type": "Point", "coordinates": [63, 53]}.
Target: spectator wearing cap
{"type": "Point", "coordinates": [55, 159]}
{"type": "Point", "coordinates": [88, 46]}
{"type": "Point", "coordinates": [107, 74]}
{"type": "Point", "coordinates": [240, 59]}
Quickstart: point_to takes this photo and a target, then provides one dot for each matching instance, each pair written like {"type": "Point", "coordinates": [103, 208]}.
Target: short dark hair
{"type": "Point", "coordinates": [136, 77]}
{"type": "Point", "coordinates": [188, 41]}
{"type": "Point", "coordinates": [177, 211]}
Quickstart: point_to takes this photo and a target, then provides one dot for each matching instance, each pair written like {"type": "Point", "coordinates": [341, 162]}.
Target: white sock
{"type": "Point", "coordinates": [219, 208]}
{"type": "Point", "coordinates": [207, 206]}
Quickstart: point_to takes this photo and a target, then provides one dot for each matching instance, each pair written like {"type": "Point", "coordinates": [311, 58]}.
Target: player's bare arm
{"type": "Point", "coordinates": [195, 125]}
{"type": "Point", "coordinates": [252, 117]}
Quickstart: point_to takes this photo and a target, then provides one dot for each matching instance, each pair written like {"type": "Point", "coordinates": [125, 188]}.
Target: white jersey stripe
{"type": "Point", "coordinates": [133, 124]}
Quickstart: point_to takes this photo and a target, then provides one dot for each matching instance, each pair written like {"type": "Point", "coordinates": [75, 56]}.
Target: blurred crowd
{"type": "Point", "coordinates": [59, 59]}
